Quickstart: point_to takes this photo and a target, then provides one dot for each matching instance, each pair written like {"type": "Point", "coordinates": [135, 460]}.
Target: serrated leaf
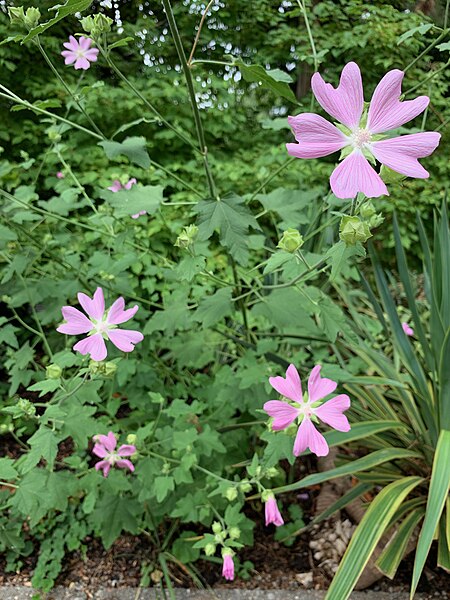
{"type": "Point", "coordinates": [232, 219]}
{"type": "Point", "coordinates": [70, 7]}
{"type": "Point", "coordinates": [132, 201]}
{"type": "Point", "coordinates": [278, 259]}
{"type": "Point", "coordinates": [45, 386]}
{"type": "Point", "coordinates": [420, 29]}
{"type": "Point", "coordinates": [213, 309]}
{"type": "Point", "coordinates": [291, 205]}
{"type": "Point", "coordinates": [44, 444]}
{"type": "Point", "coordinates": [113, 514]}
{"type": "Point", "coordinates": [7, 470]}
{"type": "Point", "coordinates": [134, 148]}
{"type": "Point", "coordinates": [162, 486]}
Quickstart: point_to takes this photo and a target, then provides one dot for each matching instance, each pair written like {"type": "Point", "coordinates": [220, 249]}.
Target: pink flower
{"type": "Point", "coordinates": [105, 447]}
{"type": "Point", "coordinates": [273, 515]}
{"type": "Point", "coordinates": [407, 329]}
{"type": "Point", "coordinates": [79, 52]}
{"type": "Point", "coordinates": [228, 565]}
{"type": "Point", "coordinates": [307, 408]}
{"type": "Point", "coordinates": [359, 132]}
{"type": "Point", "coordinates": [100, 326]}
{"type": "Point", "coordinates": [117, 186]}
{"type": "Point", "coordinates": [60, 175]}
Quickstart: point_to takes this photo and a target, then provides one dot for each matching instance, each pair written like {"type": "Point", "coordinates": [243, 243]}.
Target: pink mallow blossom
{"type": "Point", "coordinates": [358, 132]}
{"type": "Point", "coordinates": [308, 408]}
{"type": "Point", "coordinates": [407, 329]}
{"type": "Point", "coordinates": [100, 325]}
{"type": "Point", "coordinates": [228, 565]}
{"type": "Point", "coordinates": [79, 52]}
{"type": "Point", "coordinates": [272, 512]}
{"type": "Point", "coordinates": [60, 175]}
{"type": "Point", "coordinates": [105, 448]}
{"type": "Point", "coordinates": [117, 186]}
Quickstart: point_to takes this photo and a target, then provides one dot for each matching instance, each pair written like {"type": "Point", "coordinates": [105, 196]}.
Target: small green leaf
{"type": "Point", "coordinates": [213, 309]}
{"type": "Point", "coordinates": [274, 80]}
{"type": "Point", "coordinates": [70, 7]}
{"type": "Point", "coordinates": [134, 148]}
{"type": "Point", "coordinates": [132, 201]}
{"type": "Point", "coordinates": [162, 486]}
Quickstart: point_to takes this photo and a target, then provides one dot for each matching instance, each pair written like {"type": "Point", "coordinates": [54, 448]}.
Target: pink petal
{"type": "Point", "coordinates": [331, 412]}
{"type": "Point", "coordinates": [105, 465]}
{"type": "Point", "coordinates": [136, 216]}
{"type": "Point", "coordinates": [353, 175]}
{"type": "Point", "coordinates": [125, 464]}
{"type": "Point", "coordinates": [272, 513]}
{"type": "Point", "coordinates": [85, 43]}
{"type": "Point", "coordinates": [290, 387]}
{"type": "Point", "coordinates": [109, 441]}
{"type": "Point", "coordinates": [309, 437]}
{"type": "Point", "coordinates": [345, 103]}
{"type": "Point", "coordinates": [124, 339]}
{"type": "Point", "coordinates": [130, 183]}
{"type": "Point", "coordinates": [315, 136]}
{"type": "Point", "coordinates": [407, 329]}
{"type": "Point", "coordinates": [386, 111]}
{"type": "Point", "coordinates": [126, 450]}
{"type": "Point", "coordinates": [72, 44]}
{"type": "Point", "coordinates": [82, 63]}
{"type": "Point", "coordinates": [94, 307]}
{"type": "Point", "coordinates": [319, 387]}
{"type": "Point", "coordinates": [283, 413]}
{"type": "Point", "coordinates": [71, 57]}
{"type": "Point", "coordinates": [228, 567]}
{"type": "Point", "coordinates": [91, 54]}
{"type": "Point", "coordinates": [76, 322]}
{"type": "Point", "coordinates": [100, 450]}
{"type": "Point", "coordinates": [401, 153]}
{"type": "Point", "coordinates": [117, 314]}
{"type": "Point", "coordinates": [94, 345]}
{"type": "Point", "coordinates": [116, 186]}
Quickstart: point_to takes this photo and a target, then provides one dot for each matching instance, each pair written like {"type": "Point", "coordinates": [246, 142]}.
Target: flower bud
{"type": "Point", "coordinates": [234, 533]}
{"type": "Point", "coordinates": [353, 230]}
{"type": "Point", "coordinates": [26, 407]}
{"type": "Point", "coordinates": [216, 527]}
{"type": "Point", "coordinates": [110, 369]}
{"type": "Point", "coordinates": [231, 494]}
{"type": "Point", "coordinates": [291, 240]}
{"type": "Point", "coordinates": [131, 439]}
{"type": "Point", "coordinates": [245, 486]}
{"type": "Point", "coordinates": [271, 472]}
{"type": "Point", "coordinates": [95, 368]}
{"type": "Point", "coordinates": [210, 549]}
{"type": "Point", "coordinates": [87, 23]}
{"type": "Point", "coordinates": [54, 135]}
{"type": "Point", "coordinates": [367, 210]}
{"type": "Point", "coordinates": [53, 371]}
{"type": "Point", "coordinates": [376, 220]}
{"type": "Point", "coordinates": [16, 15]}
{"type": "Point", "coordinates": [32, 17]}
{"type": "Point", "coordinates": [187, 237]}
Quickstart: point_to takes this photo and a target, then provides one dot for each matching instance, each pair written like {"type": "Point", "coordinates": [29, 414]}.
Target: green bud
{"type": "Point", "coordinates": [54, 135]}
{"type": "Point", "coordinates": [6, 428]}
{"type": "Point", "coordinates": [266, 495]}
{"type": "Point", "coordinates": [32, 17]}
{"type": "Point", "coordinates": [245, 486]}
{"type": "Point", "coordinates": [187, 237]}
{"type": "Point", "coordinates": [216, 527]}
{"type": "Point", "coordinates": [109, 369]}
{"type": "Point", "coordinates": [227, 552]}
{"type": "Point", "coordinates": [210, 549]}
{"type": "Point", "coordinates": [96, 368]}
{"type": "Point", "coordinates": [26, 407]}
{"type": "Point", "coordinates": [87, 23]}
{"type": "Point", "coordinates": [376, 220]}
{"type": "Point", "coordinates": [231, 494]}
{"type": "Point", "coordinates": [219, 537]}
{"type": "Point", "coordinates": [17, 15]}
{"type": "Point", "coordinates": [291, 240]}
{"type": "Point", "coordinates": [234, 533]}
{"type": "Point", "coordinates": [53, 371]}
{"type": "Point", "coordinates": [271, 472]}
{"type": "Point", "coordinates": [102, 24]}
{"type": "Point", "coordinates": [367, 210]}
{"type": "Point", "coordinates": [353, 230]}
{"type": "Point", "coordinates": [166, 469]}
{"type": "Point", "coordinates": [131, 439]}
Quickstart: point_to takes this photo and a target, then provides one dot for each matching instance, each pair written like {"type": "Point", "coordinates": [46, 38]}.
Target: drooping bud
{"type": "Point", "coordinates": [353, 230]}
{"type": "Point", "coordinates": [291, 240]}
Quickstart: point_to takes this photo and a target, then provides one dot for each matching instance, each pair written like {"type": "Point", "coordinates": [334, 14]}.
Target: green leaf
{"type": "Point", "coordinates": [45, 386]}
{"type": "Point", "coordinates": [44, 444]}
{"type": "Point", "coordinates": [367, 535]}
{"type": "Point", "coordinates": [437, 496]}
{"type": "Point", "coordinates": [70, 7]}
{"type": "Point", "coordinates": [113, 514]}
{"type": "Point", "coordinates": [339, 256]}
{"type": "Point", "coordinates": [420, 29]}
{"type": "Point", "coordinates": [444, 380]}
{"type": "Point", "coordinates": [213, 309]}
{"type": "Point", "coordinates": [278, 259]}
{"type": "Point", "coordinates": [443, 47]}
{"type": "Point", "coordinates": [274, 80]}
{"type": "Point", "coordinates": [134, 148]}
{"type": "Point", "coordinates": [132, 201]}
{"type": "Point", "coordinates": [292, 206]}
{"type": "Point", "coordinates": [189, 267]}
{"type": "Point", "coordinates": [232, 219]}
{"type": "Point", "coordinates": [162, 486]}
{"type": "Point", "coordinates": [7, 470]}
{"type": "Point", "coordinates": [122, 42]}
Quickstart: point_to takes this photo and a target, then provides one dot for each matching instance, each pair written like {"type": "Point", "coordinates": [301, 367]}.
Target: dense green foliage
{"type": "Point", "coordinates": [221, 308]}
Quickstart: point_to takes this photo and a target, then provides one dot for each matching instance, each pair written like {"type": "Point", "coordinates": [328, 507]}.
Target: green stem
{"type": "Point", "coordinates": [295, 279]}
{"type": "Point", "coordinates": [76, 181]}
{"type": "Point", "coordinates": [271, 176]}
{"type": "Point", "coordinates": [302, 6]}
{"type": "Point", "coordinates": [431, 76]}
{"type": "Point", "coordinates": [427, 49]}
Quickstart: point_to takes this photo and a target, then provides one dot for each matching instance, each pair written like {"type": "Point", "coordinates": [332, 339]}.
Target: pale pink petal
{"type": "Point", "coordinates": [319, 387]}
{"type": "Point", "coordinates": [228, 567]}
{"type": "Point", "coordinates": [105, 465]}
{"type": "Point", "coordinates": [272, 513]}
{"type": "Point", "coordinates": [315, 136]}
{"type": "Point", "coordinates": [309, 437]}
{"type": "Point", "coordinates": [136, 216]}
{"type": "Point", "coordinates": [117, 314]}
{"type": "Point", "coordinates": [125, 339]}
{"type": "Point", "coordinates": [290, 387]}
{"type": "Point", "coordinates": [72, 44]}
{"type": "Point", "coordinates": [116, 186]}
{"type": "Point", "coordinates": [94, 307]}
{"type": "Point", "coordinates": [386, 111]}
{"type": "Point", "coordinates": [71, 57]}
{"type": "Point", "coordinates": [84, 43]}
{"type": "Point", "coordinates": [94, 345]}
{"type": "Point", "coordinates": [331, 412]}
{"type": "Point", "coordinates": [82, 63]}
{"type": "Point", "coordinates": [353, 175]}
{"type": "Point", "coordinates": [91, 54]}
{"type": "Point", "coordinates": [345, 103]}
{"type": "Point", "coordinates": [76, 322]}
{"type": "Point", "coordinates": [130, 183]}
{"type": "Point", "coordinates": [283, 413]}
{"type": "Point", "coordinates": [125, 464]}
{"type": "Point", "coordinates": [401, 153]}
{"type": "Point", "coordinates": [407, 329]}
{"type": "Point", "coordinates": [126, 450]}
{"type": "Point", "coordinates": [100, 450]}
{"type": "Point", "coordinates": [109, 441]}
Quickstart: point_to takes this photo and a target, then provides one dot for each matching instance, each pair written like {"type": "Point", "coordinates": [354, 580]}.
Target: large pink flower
{"type": "Point", "coordinates": [79, 52]}
{"type": "Point", "coordinates": [105, 447]}
{"type": "Point", "coordinates": [359, 132]}
{"type": "Point", "coordinates": [308, 408]}
{"type": "Point", "coordinates": [100, 326]}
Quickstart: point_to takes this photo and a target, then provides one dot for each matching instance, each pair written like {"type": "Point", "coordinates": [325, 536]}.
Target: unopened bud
{"type": "Point", "coordinates": [216, 527]}
{"type": "Point", "coordinates": [210, 549]}
{"type": "Point", "coordinates": [231, 494]}
{"type": "Point", "coordinates": [291, 240]}
{"type": "Point", "coordinates": [32, 17]}
{"type": "Point", "coordinates": [367, 210]}
{"type": "Point", "coordinates": [131, 439]}
{"type": "Point", "coordinates": [26, 407]}
{"type": "Point", "coordinates": [187, 237]}
{"type": "Point", "coordinates": [109, 369]}
{"type": "Point", "coordinates": [16, 15]}
{"type": "Point", "coordinates": [271, 472]}
{"type": "Point", "coordinates": [53, 371]}
{"type": "Point", "coordinates": [234, 533]}
{"type": "Point", "coordinates": [376, 220]}
{"type": "Point", "coordinates": [245, 486]}
{"type": "Point", "coordinates": [353, 230]}
{"type": "Point", "coordinates": [95, 368]}
{"type": "Point", "coordinates": [87, 23]}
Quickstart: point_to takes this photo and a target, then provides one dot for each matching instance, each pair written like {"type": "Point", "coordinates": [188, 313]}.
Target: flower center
{"type": "Point", "coordinates": [360, 137]}
{"type": "Point", "coordinates": [80, 53]}
{"type": "Point", "coordinates": [102, 327]}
